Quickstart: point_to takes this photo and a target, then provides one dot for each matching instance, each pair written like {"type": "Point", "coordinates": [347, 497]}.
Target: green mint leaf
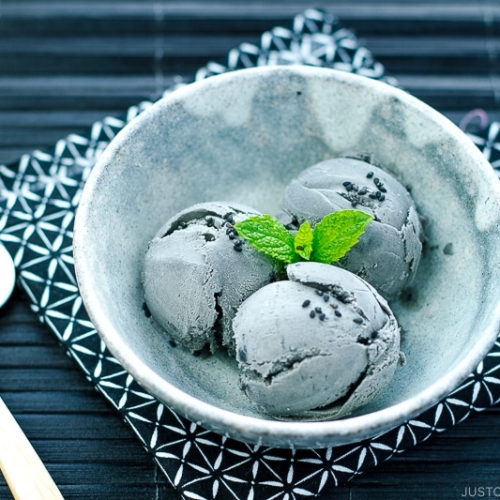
{"type": "Point", "coordinates": [337, 233]}
{"type": "Point", "coordinates": [267, 235]}
{"type": "Point", "coordinates": [304, 240]}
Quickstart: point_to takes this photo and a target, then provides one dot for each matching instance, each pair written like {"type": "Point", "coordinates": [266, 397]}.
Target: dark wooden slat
{"type": "Point", "coordinates": [141, 56]}
{"type": "Point", "coordinates": [109, 492]}
{"type": "Point", "coordinates": [63, 380]}
{"type": "Point", "coordinates": [29, 402]}
{"type": "Point", "coordinates": [69, 426]}
{"type": "Point", "coordinates": [33, 356]}
{"type": "Point", "coordinates": [410, 9]}
{"type": "Point", "coordinates": [63, 92]}
{"type": "Point", "coordinates": [12, 335]}
{"type": "Point", "coordinates": [185, 45]}
{"type": "Point", "coordinates": [123, 452]}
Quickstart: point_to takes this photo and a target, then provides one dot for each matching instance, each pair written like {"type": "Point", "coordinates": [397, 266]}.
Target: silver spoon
{"type": "Point", "coordinates": [26, 476]}
{"type": "Point", "coordinates": [7, 275]}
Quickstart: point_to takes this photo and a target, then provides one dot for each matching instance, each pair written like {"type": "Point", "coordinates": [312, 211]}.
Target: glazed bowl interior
{"type": "Point", "coordinates": [242, 137]}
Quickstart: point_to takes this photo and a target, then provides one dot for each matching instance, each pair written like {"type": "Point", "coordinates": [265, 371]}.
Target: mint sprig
{"type": "Point", "coordinates": [268, 235]}
{"type": "Point", "coordinates": [303, 242]}
{"type": "Point", "coordinates": [337, 233]}
{"type": "Point", "coordinates": [328, 242]}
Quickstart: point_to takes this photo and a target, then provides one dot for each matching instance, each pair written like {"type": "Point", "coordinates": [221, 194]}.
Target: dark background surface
{"type": "Point", "coordinates": [66, 64]}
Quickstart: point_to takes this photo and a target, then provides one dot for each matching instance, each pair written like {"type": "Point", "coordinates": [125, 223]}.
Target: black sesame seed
{"type": "Point", "coordinates": [343, 296]}
{"type": "Point", "coordinates": [363, 191]}
{"type": "Point", "coordinates": [172, 343]}
{"type": "Point", "coordinates": [354, 187]}
{"type": "Point", "coordinates": [238, 248]}
{"type": "Point", "coordinates": [373, 196]}
{"type": "Point", "coordinates": [326, 297]}
{"type": "Point", "coordinates": [381, 197]}
{"type": "Point", "coordinates": [346, 183]}
{"type": "Point", "coordinates": [322, 316]}
{"type": "Point", "coordinates": [238, 243]}
{"type": "Point", "coordinates": [354, 203]}
{"type": "Point", "coordinates": [358, 320]}
{"type": "Point", "coordinates": [319, 292]}
{"type": "Point", "coordinates": [318, 310]}
{"type": "Point", "coordinates": [376, 180]}
{"type": "Point", "coordinates": [146, 310]}
{"type": "Point", "coordinates": [349, 188]}
{"type": "Point", "coordinates": [229, 217]}
{"type": "Point", "coordinates": [378, 194]}
{"type": "Point", "coordinates": [369, 175]}
{"type": "Point", "coordinates": [231, 236]}
{"type": "Point", "coordinates": [338, 313]}
{"type": "Point", "coordinates": [312, 314]}
{"type": "Point", "coordinates": [382, 188]}
{"type": "Point", "coordinates": [306, 303]}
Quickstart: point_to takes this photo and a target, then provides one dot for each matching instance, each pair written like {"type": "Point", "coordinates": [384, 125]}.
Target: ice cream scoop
{"type": "Point", "coordinates": [197, 271]}
{"type": "Point", "coordinates": [316, 346]}
{"type": "Point", "coordinates": [388, 253]}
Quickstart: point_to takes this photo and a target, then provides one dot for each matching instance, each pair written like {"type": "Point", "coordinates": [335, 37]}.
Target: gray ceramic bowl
{"type": "Point", "coordinates": [243, 136]}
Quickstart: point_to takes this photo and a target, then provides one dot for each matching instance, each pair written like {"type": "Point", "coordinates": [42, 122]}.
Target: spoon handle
{"type": "Point", "coordinates": [26, 476]}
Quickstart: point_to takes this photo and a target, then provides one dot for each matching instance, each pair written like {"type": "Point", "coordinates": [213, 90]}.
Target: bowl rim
{"type": "Point", "coordinates": [294, 434]}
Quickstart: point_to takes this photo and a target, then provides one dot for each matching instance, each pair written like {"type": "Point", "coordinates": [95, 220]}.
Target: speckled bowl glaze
{"type": "Point", "coordinates": [242, 136]}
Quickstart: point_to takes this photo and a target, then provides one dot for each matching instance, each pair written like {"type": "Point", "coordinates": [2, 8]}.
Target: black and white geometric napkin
{"type": "Point", "coordinates": [38, 198]}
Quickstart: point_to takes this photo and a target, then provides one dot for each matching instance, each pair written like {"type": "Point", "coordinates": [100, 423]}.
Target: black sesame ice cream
{"type": "Point", "coordinates": [317, 346]}
{"type": "Point", "coordinates": [388, 253]}
{"type": "Point", "coordinates": [197, 271]}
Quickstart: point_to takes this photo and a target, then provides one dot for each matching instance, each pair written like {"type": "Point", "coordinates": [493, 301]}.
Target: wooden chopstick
{"type": "Point", "coordinates": [26, 476]}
